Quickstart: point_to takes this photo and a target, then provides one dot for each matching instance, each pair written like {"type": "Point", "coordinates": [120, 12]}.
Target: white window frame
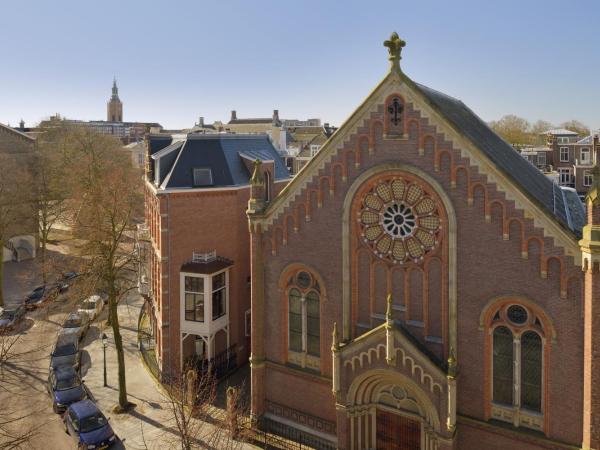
{"type": "Point", "coordinates": [562, 140]}
{"type": "Point", "coordinates": [561, 150]}
{"type": "Point", "coordinates": [541, 158]}
{"type": "Point", "coordinates": [564, 172]}
{"type": "Point", "coordinates": [209, 323]}
{"type": "Point", "coordinates": [588, 178]}
{"type": "Point", "coordinates": [588, 158]}
{"type": "Point", "coordinates": [314, 149]}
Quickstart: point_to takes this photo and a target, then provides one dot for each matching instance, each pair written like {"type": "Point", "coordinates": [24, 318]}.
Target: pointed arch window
{"type": "Point", "coordinates": [517, 366]}
{"type": "Point", "coordinates": [304, 320]}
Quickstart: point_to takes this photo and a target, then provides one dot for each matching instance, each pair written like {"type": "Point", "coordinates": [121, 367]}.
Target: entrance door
{"type": "Point", "coordinates": [396, 432]}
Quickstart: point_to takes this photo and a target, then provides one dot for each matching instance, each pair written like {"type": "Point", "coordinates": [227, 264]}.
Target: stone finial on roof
{"type": "Point", "coordinates": [394, 45]}
{"type": "Point", "coordinates": [257, 176]}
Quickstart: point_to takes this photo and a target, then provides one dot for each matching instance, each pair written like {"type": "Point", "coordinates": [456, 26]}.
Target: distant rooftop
{"type": "Point", "coordinates": [560, 132]}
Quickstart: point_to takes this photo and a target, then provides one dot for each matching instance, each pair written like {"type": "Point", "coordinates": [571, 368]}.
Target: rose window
{"type": "Point", "coordinates": [399, 221]}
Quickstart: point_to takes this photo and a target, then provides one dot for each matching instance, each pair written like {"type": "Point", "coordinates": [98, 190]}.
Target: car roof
{"type": "Point", "coordinates": [74, 315]}
{"type": "Point", "coordinates": [84, 408]}
{"type": "Point", "coordinates": [65, 339]}
{"type": "Point", "coordinates": [65, 372]}
{"type": "Point", "coordinates": [92, 298]}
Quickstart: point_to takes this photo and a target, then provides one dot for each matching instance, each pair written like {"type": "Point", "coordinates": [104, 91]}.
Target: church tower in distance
{"type": "Point", "coordinates": [114, 108]}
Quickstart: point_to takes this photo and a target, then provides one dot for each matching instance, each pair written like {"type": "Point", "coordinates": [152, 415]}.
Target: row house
{"type": "Point", "coordinates": [572, 157]}
{"type": "Point", "coordinates": [197, 274]}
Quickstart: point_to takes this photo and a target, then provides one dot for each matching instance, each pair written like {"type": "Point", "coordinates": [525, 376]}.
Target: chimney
{"type": "Point", "coordinates": [233, 115]}
{"type": "Point", "coordinates": [275, 115]}
{"type": "Point", "coordinates": [201, 122]}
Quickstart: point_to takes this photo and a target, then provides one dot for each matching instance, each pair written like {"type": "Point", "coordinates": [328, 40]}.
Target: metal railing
{"type": "Point", "coordinates": [221, 365]}
{"type": "Point", "coordinates": [204, 257]}
{"type": "Point", "coordinates": [271, 434]}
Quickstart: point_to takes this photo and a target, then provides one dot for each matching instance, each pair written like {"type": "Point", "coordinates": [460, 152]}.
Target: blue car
{"type": "Point", "coordinates": [88, 426]}
{"type": "Point", "coordinates": [65, 387]}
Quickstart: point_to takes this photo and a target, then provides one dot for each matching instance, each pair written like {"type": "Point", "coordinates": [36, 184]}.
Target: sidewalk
{"type": "Point", "coordinates": [149, 425]}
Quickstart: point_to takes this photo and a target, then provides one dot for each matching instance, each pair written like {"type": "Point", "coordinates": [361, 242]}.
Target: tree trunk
{"type": "Point", "coordinates": [114, 320]}
{"type": "Point", "coordinates": [44, 268]}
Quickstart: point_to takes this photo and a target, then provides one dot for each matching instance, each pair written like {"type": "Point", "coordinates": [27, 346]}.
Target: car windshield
{"type": "Point", "coordinates": [8, 314]}
{"type": "Point", "coordinates": [65, 350]}
{"type": "Point", "coordinates": [91, 423]}
{"type": "Point", "coordinates": [88, 305]}
{"type": "Point", "coordinates": [69, 383]}
{"type": "Point", "coordinates": [73, 322]}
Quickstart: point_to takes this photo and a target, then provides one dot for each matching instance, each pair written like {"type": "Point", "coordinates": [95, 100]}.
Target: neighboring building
{"type": "Point", "coordinates": [138, 153]}
{"type": "Point", "coordinates": [198, 272]}
{"type": "Point", "coordinates": [287, 123]}
{"type": "Point", "coordinates": [22, 234]}
{"type": "Point", "coordinates": [128, 132]}
{"type": "Point", "coordinates": [114, 107]}
{"type": "Point", "coordinates": [572, 157]}
{"type": "Point", "coordinates": [489, 336]}
{"type": "Point", "coordinates": [303, 143]}
{"type": "Point", "coordinates": [538, 156]}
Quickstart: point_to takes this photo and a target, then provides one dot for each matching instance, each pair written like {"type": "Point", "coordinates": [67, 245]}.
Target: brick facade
{"type": "Point", "coordinates": [496, 252]}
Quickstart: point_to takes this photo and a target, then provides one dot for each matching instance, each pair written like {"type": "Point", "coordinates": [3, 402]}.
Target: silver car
{"type": "Point", "coordinates": [76, 324]}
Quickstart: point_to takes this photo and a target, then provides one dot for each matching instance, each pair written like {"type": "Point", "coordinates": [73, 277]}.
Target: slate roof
{"type": "Point", "coordinates": [206, 267]}
{"type": "Point", "coordinates": [560, 132]}
{"type": "Point", "coordinates": [588, 140]}
{"type": "Point", "coordinates": [222, 153]}
{"type": "Point", "coordinates": [250, 121]}
{"type": "Point", "coordinates": [533, 182]}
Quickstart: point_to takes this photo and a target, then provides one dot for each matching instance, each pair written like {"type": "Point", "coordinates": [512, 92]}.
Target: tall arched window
{"type": "Point", "coordinates": [517, 366]}
{"type": "Point", "coordinates": [304, 334]}
{"type": "Point", "coordinates": [267, 178]}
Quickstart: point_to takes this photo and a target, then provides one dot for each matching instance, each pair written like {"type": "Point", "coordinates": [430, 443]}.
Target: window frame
{"type": "Point", "coordinates": [208, 292]}
{"type": "Point", "coordinates": [541, 158]}
{"type": "Point", "coordinates": [210, 176]}
{"type": "Point", "coordinates": [515, 412]}
{"type": "Point", "coordinates": [564, 171]}
{"type": "Point", "coordinates": [588, 159]}
{"type": "Point", "coordinates": [310, 292]}
{"type": "Point", "coordinates": [588, 178]}
{"type": "Point", "coordinates": [201, 293]}
{"type": "Point", "coordinates": [561, 157]}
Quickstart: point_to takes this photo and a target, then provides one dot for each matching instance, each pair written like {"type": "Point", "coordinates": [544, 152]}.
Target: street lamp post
{"type": "Point", "coordinates": [104, 344]}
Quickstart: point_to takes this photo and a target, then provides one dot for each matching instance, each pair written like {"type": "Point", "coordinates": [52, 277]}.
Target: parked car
{"type": "Point", "coordinates": [65, 353]}
{"type": "Point", "coordinates": [10, 317]}
{"type": "Point", "coordinates": [91, 306]}
{"type": "Point", "coordinates": [37, 296]}
{"type": "Point", "coordinates": [65, 387]}
{"type": "Point", "coordinates": [88, 426]}
{"type": "Point", "coordinates": [68, 276]}
{"type": "Point", "coordinates": [76, 324]}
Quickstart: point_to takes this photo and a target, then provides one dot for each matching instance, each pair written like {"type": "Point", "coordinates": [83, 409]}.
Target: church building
{"type": "Point", "coordinates": [420, 286]}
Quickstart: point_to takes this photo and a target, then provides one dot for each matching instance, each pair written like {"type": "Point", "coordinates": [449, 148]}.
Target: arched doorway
{"type": "Point", "coordinates": [388, 411]}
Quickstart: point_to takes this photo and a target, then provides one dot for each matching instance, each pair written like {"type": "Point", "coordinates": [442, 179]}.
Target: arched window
{"type": "Point", "coordinates": [304, 334]}
{"type": "Point", "coordinates": [517, 366]}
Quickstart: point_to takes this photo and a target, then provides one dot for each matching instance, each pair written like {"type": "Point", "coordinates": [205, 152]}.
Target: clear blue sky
{"type": "Point", "coordinates": [177, 60]}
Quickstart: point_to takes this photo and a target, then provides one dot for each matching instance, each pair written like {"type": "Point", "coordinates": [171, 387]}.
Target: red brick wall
{"type": "Point", "coordinates": [488, 266]}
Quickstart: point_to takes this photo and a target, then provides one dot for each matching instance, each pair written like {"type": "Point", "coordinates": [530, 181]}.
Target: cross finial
{"type": "Point", "coordinates": [394, 45]}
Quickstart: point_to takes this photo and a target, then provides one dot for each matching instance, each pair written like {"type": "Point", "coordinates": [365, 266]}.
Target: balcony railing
{"type": "Point", "coordinates": [207, 257]}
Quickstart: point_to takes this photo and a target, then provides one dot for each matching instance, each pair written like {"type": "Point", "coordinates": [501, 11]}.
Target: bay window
{"type": "Point", "coordinates": [194, 299]}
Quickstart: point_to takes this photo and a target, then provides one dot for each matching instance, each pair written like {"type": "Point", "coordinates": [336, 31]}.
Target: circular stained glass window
{"type": "Point", "coordinates": [303, 279]}
{"type": "Point", "coordinates": [517, 314]}
{"type": "Point", "coordinates": [399, 220]}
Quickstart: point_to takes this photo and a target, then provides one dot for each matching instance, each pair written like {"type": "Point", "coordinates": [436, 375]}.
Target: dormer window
{"type": "Point", "coordinates": [202, 176]}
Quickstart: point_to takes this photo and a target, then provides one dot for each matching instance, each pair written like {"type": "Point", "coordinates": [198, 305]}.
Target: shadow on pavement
{"type": "Point", "coordinates": [86, 363]}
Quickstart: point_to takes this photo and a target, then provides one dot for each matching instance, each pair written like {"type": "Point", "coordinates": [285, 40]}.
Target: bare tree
{"type": "Point", "coordinates": [513, 129]}
{"type": "Point", "coordinates": [190, 401]}
{"type": "Point", "coordinates": [15, 204]}
{"type": "Point", "coordinates": [50, 186]}
{"type": "Point", "coordinates": [107, 198]}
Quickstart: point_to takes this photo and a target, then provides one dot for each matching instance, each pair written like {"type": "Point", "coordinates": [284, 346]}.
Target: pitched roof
{"type": "Point", "coordinates": [588, 140]}
{"type": "Point", "coordinates": [545, 192]}
{"type": "Point", "coordinates": [221, 153]}
{"type": "Point", "coordinates": [560, 132]}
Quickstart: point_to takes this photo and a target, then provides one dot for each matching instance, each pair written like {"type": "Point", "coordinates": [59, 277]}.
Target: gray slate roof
{"type": "Point", "coordinates": [533, 182]}
{"type": "Point", "coordinates": [222, 153]}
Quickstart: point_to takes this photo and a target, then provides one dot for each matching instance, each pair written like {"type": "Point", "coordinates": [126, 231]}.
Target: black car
{"type": "Point", "coordinates": [39, 295]}
{"type": "Point", "coordinates": [68, 276]}
{"type": "Point", "coordinates": [10, 317]}
{"type": "Point", "coordinates": [65, 353]}
{"type": "Point", "coordinates": [65, 387]}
